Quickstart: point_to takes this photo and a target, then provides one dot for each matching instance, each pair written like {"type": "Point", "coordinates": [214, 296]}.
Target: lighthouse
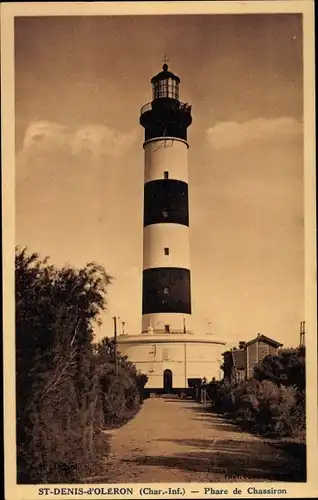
{"type": "Point", "coordinates": [167, 349]}
{"type": "Point", "coordinates": [166, 280]}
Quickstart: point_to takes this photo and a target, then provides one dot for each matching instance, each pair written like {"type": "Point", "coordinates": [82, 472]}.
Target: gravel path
{"type": "Point", "coordinates": [172, 440]}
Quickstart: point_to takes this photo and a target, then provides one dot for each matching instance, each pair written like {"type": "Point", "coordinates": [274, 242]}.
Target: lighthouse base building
{"type": "Point", "coordinates": [172, 361]}
{"type": "Point", "coordinates": [166, 350]}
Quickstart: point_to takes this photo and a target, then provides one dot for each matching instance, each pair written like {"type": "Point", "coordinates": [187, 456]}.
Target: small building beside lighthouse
{"type": "Point", "coordinates": [167, 350]}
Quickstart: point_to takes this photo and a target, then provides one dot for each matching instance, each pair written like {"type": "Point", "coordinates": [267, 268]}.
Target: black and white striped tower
{"type": "Point", "coordinates": [166, 296]}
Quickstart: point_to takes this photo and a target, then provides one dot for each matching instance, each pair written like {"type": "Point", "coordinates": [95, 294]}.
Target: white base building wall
{"type": "Point", "coordinates": [193, 359]}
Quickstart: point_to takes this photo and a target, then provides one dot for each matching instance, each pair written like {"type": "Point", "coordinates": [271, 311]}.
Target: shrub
{"type": "Point", "coordinates": [122, 394]}
{"type": "Point", "coordinates": [66, 390]}
{"type": "Point", "coordinates": [264, 407]}
{"type": "Point", "coordinates": [288, 368]}
{"type": "Point", "coordinates": [225, 396]}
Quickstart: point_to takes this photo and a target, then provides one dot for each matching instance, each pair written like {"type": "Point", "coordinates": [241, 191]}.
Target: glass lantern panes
{"type": "Point", "coordinates": [166, 88]}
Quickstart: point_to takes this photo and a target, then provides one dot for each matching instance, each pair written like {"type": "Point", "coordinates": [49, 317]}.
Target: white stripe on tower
{"type": "Point", "coordinates": [164, 154]}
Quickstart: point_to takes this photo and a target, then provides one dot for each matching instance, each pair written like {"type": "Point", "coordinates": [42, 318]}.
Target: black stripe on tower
{"type": "Point", "coordinates": [166, 118]}
{"type": "Point", "coordinates": [166, 289]}
{"type": "Point", "coordinates": [166, 200]}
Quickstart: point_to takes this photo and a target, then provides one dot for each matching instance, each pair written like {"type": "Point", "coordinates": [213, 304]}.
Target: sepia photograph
{"type": "Point", "coordinates": [160, 325]}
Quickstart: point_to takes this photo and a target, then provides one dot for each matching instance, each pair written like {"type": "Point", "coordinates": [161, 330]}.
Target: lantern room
{"type": "Point", "coordinates": [165, 115]}
{"type": "Point", "coordinates": [165, 85]}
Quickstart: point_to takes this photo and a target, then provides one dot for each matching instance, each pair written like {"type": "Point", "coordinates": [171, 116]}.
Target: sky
{"type": "Point", "coordinates": [79, 85]}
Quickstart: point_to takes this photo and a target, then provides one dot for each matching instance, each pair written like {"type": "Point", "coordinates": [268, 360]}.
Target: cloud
{"type": "Point", "coordinates": [101, 140]}
{"type": "Point", "coordinates": [45, 135]}
{"type": "Point", "coordinates": [95, 139]}
{"type": "Point", "coordinates": [229, 134]}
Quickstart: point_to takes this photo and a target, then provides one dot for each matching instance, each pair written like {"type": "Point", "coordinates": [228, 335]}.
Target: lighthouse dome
{"type": "Point", "coordinates": [164, 74]}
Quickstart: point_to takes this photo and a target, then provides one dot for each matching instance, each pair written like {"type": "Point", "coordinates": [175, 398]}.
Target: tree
{"type": "Point", "coordinates": [271, 368]}
{"type": "Point", "coordinates": [288, 368]}
{"type": "Point", "coordinates": [57, 385]}
{"type": "Point", "coordinates": [66, 386]}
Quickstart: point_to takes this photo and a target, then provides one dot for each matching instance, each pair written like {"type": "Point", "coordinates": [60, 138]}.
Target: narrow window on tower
{"type": "Point", "coordinates": [166, 175]}
{"type": "Point", "coordinates": [166, 251]}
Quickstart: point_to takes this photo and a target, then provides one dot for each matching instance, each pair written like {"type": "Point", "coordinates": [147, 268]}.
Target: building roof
{"type": "Point", "coordinates": [238, 359]}
{"type": "Point", "coordinates": [172, 338]}
{"type": "Point", "coordinates": [263, 338]}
